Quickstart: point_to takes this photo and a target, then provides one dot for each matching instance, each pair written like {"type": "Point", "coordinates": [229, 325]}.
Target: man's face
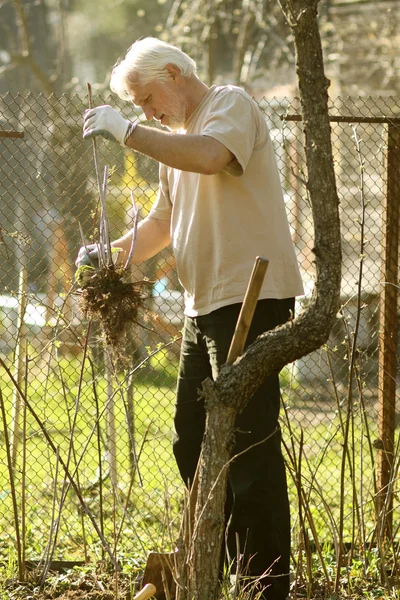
{"type": "Point", "coordinates": [161, 101]}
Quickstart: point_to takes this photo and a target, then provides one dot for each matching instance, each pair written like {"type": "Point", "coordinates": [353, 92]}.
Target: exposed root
{"type": "Point", "coordinates": [108, 298]}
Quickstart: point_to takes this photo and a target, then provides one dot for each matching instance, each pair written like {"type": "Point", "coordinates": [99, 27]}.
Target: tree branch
{"type": "Point", "coordinates": [25, 57]}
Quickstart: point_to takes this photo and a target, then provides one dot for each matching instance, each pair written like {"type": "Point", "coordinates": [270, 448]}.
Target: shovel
{"type": "Point", "coordinates": [158, 574]}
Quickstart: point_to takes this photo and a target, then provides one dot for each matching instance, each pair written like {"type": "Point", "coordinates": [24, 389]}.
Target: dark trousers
{"type": "Point", "coordinates": [257, 500]}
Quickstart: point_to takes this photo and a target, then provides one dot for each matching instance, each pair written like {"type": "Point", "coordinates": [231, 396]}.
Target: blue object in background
{"type": "Point", "coordinates": [160, 286]}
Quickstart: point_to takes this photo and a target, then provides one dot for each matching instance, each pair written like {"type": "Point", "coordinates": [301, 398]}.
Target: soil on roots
{"type": "Point", "coordinates": [114, 302]}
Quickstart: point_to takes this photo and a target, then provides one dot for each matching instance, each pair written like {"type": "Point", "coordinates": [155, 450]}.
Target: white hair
{"type": "Point", "coordinates": [147, 59]}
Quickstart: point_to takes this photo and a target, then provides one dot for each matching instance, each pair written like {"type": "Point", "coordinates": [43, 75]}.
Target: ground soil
{"type": "Point", "coordinates": [73, 586]}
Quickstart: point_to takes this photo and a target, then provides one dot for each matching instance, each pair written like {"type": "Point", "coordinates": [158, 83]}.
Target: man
{"type": "Point", "coordinates": [220, 204]}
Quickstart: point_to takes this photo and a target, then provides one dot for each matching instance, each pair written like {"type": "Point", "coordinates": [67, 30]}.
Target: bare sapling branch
{"type": "Point", "coordinates": [105, 291]}
{"type": "Point", "coordinates": [134, 230]}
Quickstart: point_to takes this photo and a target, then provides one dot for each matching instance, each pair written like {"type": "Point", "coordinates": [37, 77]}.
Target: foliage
{"type": "Point", "coordinates": [234, 40]}
{"type": "Point", "coordinates": [102, 32]}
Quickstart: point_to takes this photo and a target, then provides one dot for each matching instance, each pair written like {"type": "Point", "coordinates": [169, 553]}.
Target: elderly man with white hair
{"type": "Point", "coordinates": [220, 205]}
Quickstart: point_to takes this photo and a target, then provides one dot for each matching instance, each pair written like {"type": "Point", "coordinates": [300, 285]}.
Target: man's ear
{"type": "Point", "coordinates": [173, 71]}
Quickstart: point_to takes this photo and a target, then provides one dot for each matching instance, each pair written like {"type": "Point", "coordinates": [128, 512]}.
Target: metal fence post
{"type": "Point", "coordinates": [388, 329]}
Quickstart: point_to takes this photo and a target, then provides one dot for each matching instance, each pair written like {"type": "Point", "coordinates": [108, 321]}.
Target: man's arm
{"type": "Point", "coordinates": [153, 235]}
{"type": "Point", "coordinates": [195, 153]}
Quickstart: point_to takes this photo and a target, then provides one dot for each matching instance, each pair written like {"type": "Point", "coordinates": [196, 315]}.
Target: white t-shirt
{"type": "Point", "coordinates": [221, 223]}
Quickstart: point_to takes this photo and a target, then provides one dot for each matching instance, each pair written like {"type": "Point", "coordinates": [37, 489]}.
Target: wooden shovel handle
{"type": "Point", "coordinates": [147, 592]}
{"type": "Point", "coordinates": [247, 310]}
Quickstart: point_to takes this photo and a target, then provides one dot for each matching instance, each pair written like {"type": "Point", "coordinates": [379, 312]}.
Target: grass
{"type": "Point", "coordinates": [53, 393]}
{"type": "Point", "coordinates": [136, 519]}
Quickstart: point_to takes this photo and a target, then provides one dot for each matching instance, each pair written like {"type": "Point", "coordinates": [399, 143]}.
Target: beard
{"type": "Point", "coordinates": [176, 112]}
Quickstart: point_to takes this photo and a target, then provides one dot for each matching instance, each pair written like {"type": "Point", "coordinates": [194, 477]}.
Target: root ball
{"type": "Point", "coordinates": [114, 302]}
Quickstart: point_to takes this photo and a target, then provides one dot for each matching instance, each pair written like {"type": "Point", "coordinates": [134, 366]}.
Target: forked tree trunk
{"type": "Point", "coordinates": [228, 395]}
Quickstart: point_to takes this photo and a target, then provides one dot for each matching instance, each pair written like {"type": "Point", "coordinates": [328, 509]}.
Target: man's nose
{"type": "Point", "coordinates": [149, 112]}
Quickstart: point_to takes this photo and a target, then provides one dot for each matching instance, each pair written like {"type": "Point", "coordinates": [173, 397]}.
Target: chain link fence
{"type": "Point", "coordinates": [114, 430]}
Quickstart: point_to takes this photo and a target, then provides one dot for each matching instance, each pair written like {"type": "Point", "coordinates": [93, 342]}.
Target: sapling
{"type": "Point", "coordinates": [105, 292]}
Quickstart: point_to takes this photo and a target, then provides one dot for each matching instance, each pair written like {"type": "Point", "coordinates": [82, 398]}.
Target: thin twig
{"type": "Point", "coordinates": [103, 229]}
{"type": "Point", "coordinates": [308, 513]}
{"type": "Point", "coordinates": [100, 459]}
{"type": "Point", "coordinates": [94, 142]}
{"type": "Point", "coordinates": [352, 367]}
{"type": "Point", "coordinates": [23, 466]}
{"type": "Point", "coordinates": [102, 187]}
{"type": "Point", "coordinates": [130, 433]}
{"type": "Point", "coordinates": [305, 498]}
{"type": "Point", "coordinates": [49, 549]}
{"type": "Point", "coordinates": [134, 230]}
{"type": "Point", "coordinates": [71, 451]}
{"type": "Point", "coordinates": [116, 578]}
{"type": "Point", "coordinates": [98, 175]}
{"type": "Point", "coordinates": [71, 476]}
{"type": "Point", "coordinates": [66, 392]}
{"type": "Point", "coordinates": [12, 487]}
{"type": "Point", "coordinates": [125, 508]}
{"type": "Point", "coordinates": [106, 228]}
{"type": "Point", "coordinates": [53, 447]}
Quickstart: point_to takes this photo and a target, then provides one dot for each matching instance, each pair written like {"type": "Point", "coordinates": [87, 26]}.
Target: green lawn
{"type": "Point", "coordinates": [154, 508]}
{"type": "Point", "coordinates": [53, 393]}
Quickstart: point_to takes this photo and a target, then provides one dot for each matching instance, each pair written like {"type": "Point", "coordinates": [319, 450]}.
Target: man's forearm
{"type": "Point", "coordinates": [153, 235]}
{"type": "Point", "coordinates": [195, 153]}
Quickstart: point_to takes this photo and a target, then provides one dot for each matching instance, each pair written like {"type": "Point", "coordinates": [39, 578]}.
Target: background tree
{"type": "Point", "coordinates": [100, 33]}
{"type": "Point", "coordinates": [232, 40]}
{"type": "Point", "coordinates": [34, 58]}
{"type": "Point", "coordinates": [33, 49]}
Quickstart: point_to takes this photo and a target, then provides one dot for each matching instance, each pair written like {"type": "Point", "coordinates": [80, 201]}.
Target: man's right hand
{"type": "Point", "coordinates": [107, 122]}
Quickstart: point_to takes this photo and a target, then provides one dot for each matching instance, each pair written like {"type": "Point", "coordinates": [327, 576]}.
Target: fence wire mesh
{"type": "Point", "coordinates": [97, 421]}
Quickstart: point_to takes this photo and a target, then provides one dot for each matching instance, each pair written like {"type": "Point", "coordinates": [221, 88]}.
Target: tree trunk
{"type": "Point", "coordinates": [228, 395]}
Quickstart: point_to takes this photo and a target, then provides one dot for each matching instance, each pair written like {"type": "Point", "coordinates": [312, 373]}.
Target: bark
{"type": "Point", "coordinates": [228, 395]}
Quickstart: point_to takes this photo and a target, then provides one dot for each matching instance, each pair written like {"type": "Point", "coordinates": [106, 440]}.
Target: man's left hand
{"type": "Point", "coordinates": [107, 122]}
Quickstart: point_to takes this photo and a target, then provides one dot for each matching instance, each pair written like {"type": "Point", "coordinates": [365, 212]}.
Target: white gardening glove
{"type": "Point", "coordinates": [107, 122]}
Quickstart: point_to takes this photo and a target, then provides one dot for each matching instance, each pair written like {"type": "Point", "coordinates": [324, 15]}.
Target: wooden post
{"type": "Point", "coordinates": [388, 330]}
{"type": "Point", "coordinates": [11, 134]}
